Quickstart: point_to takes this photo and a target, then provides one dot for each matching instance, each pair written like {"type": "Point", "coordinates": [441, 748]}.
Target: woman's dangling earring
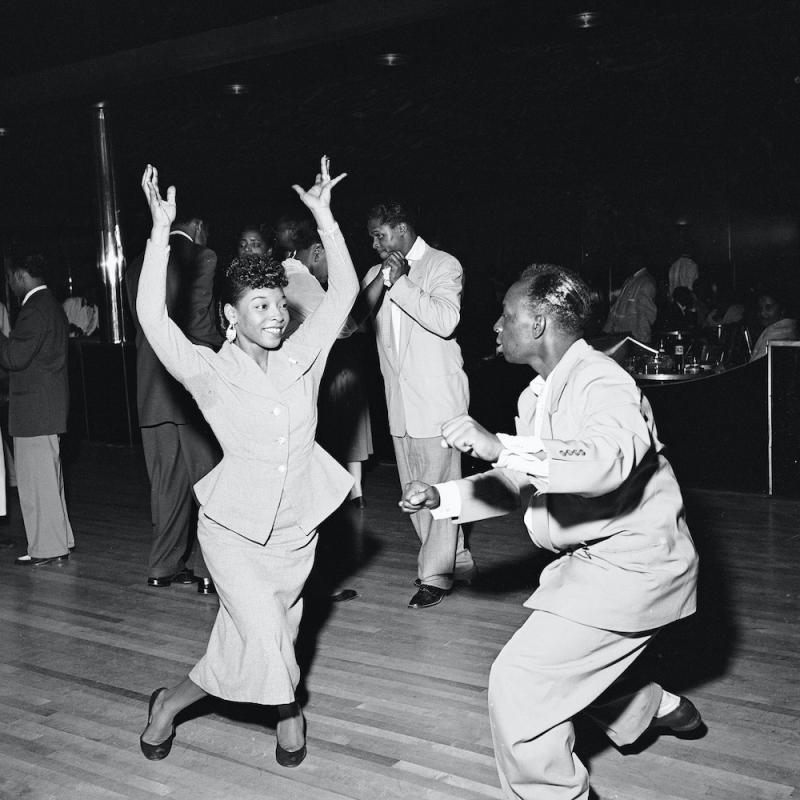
{"type": "Point", "coordinates": [230, 332]}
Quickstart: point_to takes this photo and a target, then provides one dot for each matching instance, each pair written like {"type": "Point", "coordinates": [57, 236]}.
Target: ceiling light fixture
{"type": "Point", "coordinates": [586, 19]}
{"type": "Point", "coordinates": [392, 59]}
{"type": "Point", "coordinates": [237, 89]}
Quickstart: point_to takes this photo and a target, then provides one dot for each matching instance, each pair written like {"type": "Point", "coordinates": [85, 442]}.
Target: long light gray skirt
{"type": "Point", "coordinates": [250, 656]}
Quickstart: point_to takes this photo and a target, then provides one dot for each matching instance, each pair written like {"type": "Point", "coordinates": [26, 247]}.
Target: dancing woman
{"type": "Point", "coordinates": [258, 518]}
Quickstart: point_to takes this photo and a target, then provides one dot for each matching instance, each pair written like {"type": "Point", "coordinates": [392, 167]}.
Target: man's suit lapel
{"type": "Point", "coordinates": [556, 393]}
{"type": "Point", "coordinates": [384, 318]}
{"type": "Point", "coordinates": [416, 274]}
{"type": "Point", "coordinates": [529, 400]}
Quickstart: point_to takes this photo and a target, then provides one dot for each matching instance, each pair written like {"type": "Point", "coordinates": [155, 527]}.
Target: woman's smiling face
{"type": "Point", "coordinates": [261, 316]}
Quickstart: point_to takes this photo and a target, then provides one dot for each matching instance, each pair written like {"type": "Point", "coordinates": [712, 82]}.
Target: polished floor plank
{"type": "Point", "coordinates": [396, 698]}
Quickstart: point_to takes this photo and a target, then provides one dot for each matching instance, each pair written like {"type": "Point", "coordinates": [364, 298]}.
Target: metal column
{"type": "Point", "coordinates": [110, 256]}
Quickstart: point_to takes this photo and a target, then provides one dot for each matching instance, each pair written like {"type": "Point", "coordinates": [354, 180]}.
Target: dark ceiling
{"type": "Point", "coordinates": [507, 122]}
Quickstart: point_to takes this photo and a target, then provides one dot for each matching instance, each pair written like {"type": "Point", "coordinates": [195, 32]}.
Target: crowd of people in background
{"type": "Point", "coordinates": [253, 387]}
{"type": "Point", "coordinates": [735, 324]}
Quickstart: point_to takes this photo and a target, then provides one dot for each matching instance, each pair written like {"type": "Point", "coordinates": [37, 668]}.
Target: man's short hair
{"type": "Point", "coordinates": [560, 294]}
{"type": "Point", "coordinates": [35, 265]}
{"type": "Point", "coordinates": [392, 213]}
{"type": "Point", "coordinates": [306, 235]}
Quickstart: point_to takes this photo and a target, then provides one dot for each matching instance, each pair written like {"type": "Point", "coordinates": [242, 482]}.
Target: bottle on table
{"type": "Point", "coordinates": [679, 353]}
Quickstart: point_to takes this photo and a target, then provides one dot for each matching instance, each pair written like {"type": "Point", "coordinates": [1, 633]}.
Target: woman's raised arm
{"type": "Point", "coordinates": [318, 198]}
{"type": "Point", "coordinates": [323, 326]}
{"type": "Point", "coordinates": [169, 343]}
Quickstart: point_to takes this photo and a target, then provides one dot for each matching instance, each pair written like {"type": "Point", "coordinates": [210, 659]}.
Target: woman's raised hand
{"type": "Point", "coordinates": [319, 195]}
{"type": "Point", "coordinates": [163, 211]}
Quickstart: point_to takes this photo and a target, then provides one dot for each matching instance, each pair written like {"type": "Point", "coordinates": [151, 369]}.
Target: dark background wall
{"type": "Point", "coordinates": [520, 134]}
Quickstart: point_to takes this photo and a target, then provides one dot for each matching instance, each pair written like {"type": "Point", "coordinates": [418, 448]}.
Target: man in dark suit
{"type": "Point", "coordinates": [179, 448]}
{"type": "Point", "coordinates": [35, 355]}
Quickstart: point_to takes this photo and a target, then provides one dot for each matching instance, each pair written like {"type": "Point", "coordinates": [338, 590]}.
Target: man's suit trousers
{"type": "Point", "coordinates": [40, 483]}
{"type": "Point", "coordinates": [550, 670]}
{"type": "Point", "coordinates": [177, 456]}
{"type": "Point", "coordinates": [442, 552]}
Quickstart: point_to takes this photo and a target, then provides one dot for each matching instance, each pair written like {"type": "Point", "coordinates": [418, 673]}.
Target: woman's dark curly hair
{"type": "Point", "coordinates": [248, 272]}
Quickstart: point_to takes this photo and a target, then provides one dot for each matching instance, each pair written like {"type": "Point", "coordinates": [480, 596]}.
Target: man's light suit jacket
{"type": "Point", "coordinates": [634, 310]}
{"type": "Point", "coordinates": [611, 506]}
{"type": "Point", "coordinates": [424, 379]}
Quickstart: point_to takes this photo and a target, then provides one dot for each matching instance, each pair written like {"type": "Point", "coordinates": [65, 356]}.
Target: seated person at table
{"type": "Point", "coordinates": [82, 314]}
{"type": "Point", "coordinates": [680, 313]}
{"type": "Point", "coordinates": [777, 324]}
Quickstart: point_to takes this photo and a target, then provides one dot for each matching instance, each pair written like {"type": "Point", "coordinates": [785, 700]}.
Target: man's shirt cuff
{"type": "Point", "coordinates": [518, 453]}
{"type": "Point", "coordinates": [449, 501]}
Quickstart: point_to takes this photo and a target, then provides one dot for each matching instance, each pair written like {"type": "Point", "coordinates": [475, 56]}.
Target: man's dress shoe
{"type": "Point", "coordinates": [683, 719]}
{"type": "Point", "coordinates": [428, 596]}
{"type": "Point", "coordinates": [206, 586]}
{"type": "Point", "coordinates": [185, 576]}
{"type": "Point", "coordinates": [465, 578]}
{"type": "Point", "coordinates": [156, 752]}
{"type": "Point", "coordinates": [29, 561]}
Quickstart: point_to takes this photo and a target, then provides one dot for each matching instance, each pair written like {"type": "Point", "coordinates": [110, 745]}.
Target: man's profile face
{"type": "Point", "coordinates": [769, 310]}
{"type": "Point", "coordinates": [284, 235]}
{"type": "Point", "coordinates": [14, 282]}
{"type": "Point", "coordinates": [386, 239]}
{"type": "Point", "coordinates": [200, 233]}
{"type": "Point", "coordinates": [514, 328]}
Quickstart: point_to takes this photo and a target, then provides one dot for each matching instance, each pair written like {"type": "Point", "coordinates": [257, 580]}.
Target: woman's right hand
{"type": "Point", "coordinates": [318, 197]}
{"type": "Point", "coordinates": [162, 211]}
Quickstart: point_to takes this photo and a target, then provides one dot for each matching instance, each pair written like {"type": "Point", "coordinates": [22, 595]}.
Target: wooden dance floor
{"type": "Point", "coordinates": [396, 698]}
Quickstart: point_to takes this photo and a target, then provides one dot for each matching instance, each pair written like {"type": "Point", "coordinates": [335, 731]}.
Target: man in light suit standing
{"type": "Point", "coordinates": [179, 448]}
{"type": "Point", "coordinates": [607, 503]}
{"type": "Point", "coordinates": [35, 354]}
{"type": "Point", "coordinates": [634, 311]}
{"type": "Point", "coordinates": [414, 296]}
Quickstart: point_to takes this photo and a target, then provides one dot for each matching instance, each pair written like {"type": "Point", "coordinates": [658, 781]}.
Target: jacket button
{"type": "Point", "coordinates": [276, 410]}
{"type": "Point", "coordinates": [282, 468]}
{"type": "Point", "coordinates": [281, 440]}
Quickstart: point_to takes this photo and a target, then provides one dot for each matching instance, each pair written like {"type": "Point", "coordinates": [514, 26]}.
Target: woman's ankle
{"type": "Point", "coordinates": [288, 710]}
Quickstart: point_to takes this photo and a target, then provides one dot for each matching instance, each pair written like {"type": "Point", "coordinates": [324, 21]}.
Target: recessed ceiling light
{"type": "Point", "coordinates": [586, 19]}
{"type": "Point", "coordinates": [392, 59]}
{"type": "Point", "coordinates": [237, 89]}
{"type": "Point", "coordinates": [3, 131]}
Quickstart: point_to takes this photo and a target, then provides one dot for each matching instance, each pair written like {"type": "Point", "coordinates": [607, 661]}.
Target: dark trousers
{"type": "Point", "coordinates": [177, 456]}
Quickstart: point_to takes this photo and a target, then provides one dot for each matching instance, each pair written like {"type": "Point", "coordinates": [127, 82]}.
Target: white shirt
{"type": "Point", "coordinates": [5, 321]}
{"type": "Point", "coordinates": [416, 252]}
{"type": "Point", "coordinates": [33, 292]}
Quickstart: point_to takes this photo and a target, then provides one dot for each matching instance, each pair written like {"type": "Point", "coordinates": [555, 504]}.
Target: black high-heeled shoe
{"type": "Point", "coordinates": [290, 758]}
{"type": "Point", "coordinates": [156, 752]}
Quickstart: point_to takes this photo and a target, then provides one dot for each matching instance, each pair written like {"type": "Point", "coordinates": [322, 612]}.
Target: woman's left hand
{"type": "Point", "coordinates": [318, 197]}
